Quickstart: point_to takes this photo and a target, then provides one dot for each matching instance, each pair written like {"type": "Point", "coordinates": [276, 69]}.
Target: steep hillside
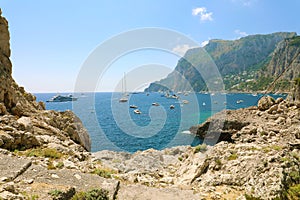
{"type": "Point", "coordinates": [238, 61]}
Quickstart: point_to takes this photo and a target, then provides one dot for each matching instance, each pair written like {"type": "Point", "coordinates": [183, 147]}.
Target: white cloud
{"type": "Point", "coordinates": [202, 12]}
{"type": "Point", "coordinates": [181, 49]}
{"type": "Point", "coordinates": [204, 43]}
{"type": "Point", "coordinates": [240, 33]}
{"type": "Point", "coordinates": [245, 2]}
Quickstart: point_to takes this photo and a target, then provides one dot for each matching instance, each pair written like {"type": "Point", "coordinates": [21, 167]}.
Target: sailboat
{"type": "Point", "coordinates": [124, 98]}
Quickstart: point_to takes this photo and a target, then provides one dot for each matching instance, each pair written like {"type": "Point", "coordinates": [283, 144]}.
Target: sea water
{"type": "Point", "coordinates": [114, 126]}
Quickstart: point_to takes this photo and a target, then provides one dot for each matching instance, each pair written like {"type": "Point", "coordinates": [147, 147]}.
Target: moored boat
{"type": "Point", "coordinates": [137, 111]}
{"type": "Point", "coordinates": [61, 98]}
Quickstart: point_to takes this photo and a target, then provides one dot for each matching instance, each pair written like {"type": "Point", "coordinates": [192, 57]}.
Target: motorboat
{"type": "Point", "coordinates": [133, 106]}
{"type": "Point", "coordinates": [137, 111]}
{"type": "Point", "coordinates": [172, 106]}
{"type": "Point", "coordinates": [61, 98]}
{"type": "Point", "coordinates": [155, 104]}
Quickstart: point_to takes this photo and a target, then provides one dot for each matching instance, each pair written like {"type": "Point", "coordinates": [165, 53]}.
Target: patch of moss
{"type": "Point", "coordinates": [233, 156]}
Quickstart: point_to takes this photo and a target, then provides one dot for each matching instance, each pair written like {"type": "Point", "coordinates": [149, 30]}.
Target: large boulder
{"type": "Point", "coordinates": [265, 103]}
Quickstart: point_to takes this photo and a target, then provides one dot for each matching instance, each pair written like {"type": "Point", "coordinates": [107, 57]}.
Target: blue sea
{"type": "Point", "coordinates": [114, 126]}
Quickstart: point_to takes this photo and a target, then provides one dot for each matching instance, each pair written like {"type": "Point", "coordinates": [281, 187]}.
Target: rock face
{"type": "Point", "coordinates": [24, 123]}
{"type": "Point", "coordinates": [237, 61]}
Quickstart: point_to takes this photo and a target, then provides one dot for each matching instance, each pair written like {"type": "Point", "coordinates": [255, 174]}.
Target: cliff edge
{"type": "Point", "coordinates": [24, 123]}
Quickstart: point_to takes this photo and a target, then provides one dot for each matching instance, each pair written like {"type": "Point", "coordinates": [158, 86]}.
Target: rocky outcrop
{"type": "Point", "coordinates": [257, 155]}
{"type": "Point", "coordinates": [24, 123]}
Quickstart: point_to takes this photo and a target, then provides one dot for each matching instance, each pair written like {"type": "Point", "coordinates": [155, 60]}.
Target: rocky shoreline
{"type": "Point", "coordinates": [45, 154]}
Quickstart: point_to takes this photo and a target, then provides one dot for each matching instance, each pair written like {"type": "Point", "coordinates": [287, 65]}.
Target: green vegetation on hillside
{"type": "Point", "coordinates": [244, 64]}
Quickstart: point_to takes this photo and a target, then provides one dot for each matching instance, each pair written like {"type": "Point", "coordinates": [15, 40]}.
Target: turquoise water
{"type": "Point", "coordinates": [114, 126]}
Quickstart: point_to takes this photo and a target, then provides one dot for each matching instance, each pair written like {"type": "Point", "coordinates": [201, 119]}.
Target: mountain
{"type": "Point", "coordinates": [244, 64]}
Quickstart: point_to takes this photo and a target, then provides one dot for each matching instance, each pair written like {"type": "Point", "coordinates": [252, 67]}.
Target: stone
{"type": "Point", "coordinates": [69, 164]}
{"type": "Point", "coordinates": [3, 110]}
{"type": "Point", "coordinates": [265, 103]}
{"type": "Point", "coordinates": [26, 123]}
{"type": "Point", "coordinates": [273, 109]}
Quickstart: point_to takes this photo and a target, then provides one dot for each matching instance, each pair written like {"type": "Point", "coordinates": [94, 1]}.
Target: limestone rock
{"type": "Point", "coordinates": [27, 121]}
{"type": "Point", "coordinates": [265, 103]}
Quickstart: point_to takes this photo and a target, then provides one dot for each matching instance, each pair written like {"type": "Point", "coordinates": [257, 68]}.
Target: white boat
{"type": "Point", "coordinates": [60, 98]}
{"type": "Point", "coordinates": [155, 104]}
{"type": "Point", "coordinates": [124, 97]}
{"type": "Point", "coordinates": [185, 101]}
{"type": "Point", "coordinates": [172, 106]}
{"type": "Point", "coordinates": [203, 104]}
{"type": "Point", "coordinates": [239, 101]}
{"type": "Point", "coordinates": [133, 106]}
{"type": "Point", "coordinates": [137, 111]}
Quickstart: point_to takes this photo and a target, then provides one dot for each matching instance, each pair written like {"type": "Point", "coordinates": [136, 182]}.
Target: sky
{"type": "Point", "coordinates": [52, 39]}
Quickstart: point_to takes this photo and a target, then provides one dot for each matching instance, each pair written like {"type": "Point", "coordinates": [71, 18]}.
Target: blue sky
{"type": "Point", "coordinates": [51, 39]}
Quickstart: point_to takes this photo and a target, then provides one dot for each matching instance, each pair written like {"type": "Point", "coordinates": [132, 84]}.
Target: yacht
{"type": "Point", "coordinates": [124, 97]}
{"type": "Point", "coordinates": [60, 98]}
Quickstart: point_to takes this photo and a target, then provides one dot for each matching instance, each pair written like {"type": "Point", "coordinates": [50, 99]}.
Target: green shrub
{"type": "Point", "coordinates": [293, 192]}
{"type": "Point", "coordinates": [55, 193]}
{"type": "Point", "coordinates": [94, 194]}
{"type": "Point", "coordinates": [47, 153]}
{"type": "Point", "coordinates": [249, 197]}
{"type": "Point", "coordinates": [200, 148]}
{"type": "Point", "coordinates": [218, 162]}
{"type": "Point", "coordinates": [104, 172]}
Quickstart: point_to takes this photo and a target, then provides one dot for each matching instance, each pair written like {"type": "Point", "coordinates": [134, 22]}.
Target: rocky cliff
{"type": "Point", "coordinates": [240, 62]}
{"type": "Point", "coordinates": [24, 123]}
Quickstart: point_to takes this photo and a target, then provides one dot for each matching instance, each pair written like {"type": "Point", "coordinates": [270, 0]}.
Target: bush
{"type": "Point", "coordinates": [200, 147]}
{"type": "Point", "coordinates": [104, 172]}
{"type": "Point", "coordinates": [294, 192]}
{"type": "Point", "coordinates": [94, 194]}
{"type": "Point", "coordinates": [249, 197]}
{"type": "Point", "coordinates": [47, 153]}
